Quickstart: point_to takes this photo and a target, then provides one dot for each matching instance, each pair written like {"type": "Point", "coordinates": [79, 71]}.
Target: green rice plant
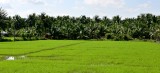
{"type": "Point", "coordinates": [70, 56]}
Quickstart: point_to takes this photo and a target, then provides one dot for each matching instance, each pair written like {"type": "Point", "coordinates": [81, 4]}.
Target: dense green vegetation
{"type": "Point", "coordinates": [145, 26]}
{"type": "Point", "coordinates": [67, 56]}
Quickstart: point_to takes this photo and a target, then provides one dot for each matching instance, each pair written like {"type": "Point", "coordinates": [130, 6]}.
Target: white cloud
{"type": "Point", "coordinates": [78, 7]}
{"type": "Point", "coordinates": [116, 3]}
{"type": "Point", "coordinates": [145, 5]}
{"type": "Point", "coordinates": [6, 6]}
{"type": "Point", "coordinates": [26, 7]}
{"type": "Point", "coordinates": [138, 8]}
{"type": "Point", "coordinates": [132, 10]}
{"type": "Point", "coordinates": [22, 1]}
{"type": "Point", "coordinates": [12, 12]}
{"type": "Point", "coordinates": [37, 2]}
{"type": "Point", "coordinates": [60, 1]}
{"type": "Point", "coordinates": [4, 1]}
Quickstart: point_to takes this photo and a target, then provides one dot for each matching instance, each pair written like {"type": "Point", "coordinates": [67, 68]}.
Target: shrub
{"type": "Point", "coordinates": [128, 37]}
{"type": "Point", "coordinates": [110, 36]}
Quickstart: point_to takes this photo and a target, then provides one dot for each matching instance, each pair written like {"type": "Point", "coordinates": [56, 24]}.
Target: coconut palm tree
{"type": "Point", "coordinates": [3, 16]}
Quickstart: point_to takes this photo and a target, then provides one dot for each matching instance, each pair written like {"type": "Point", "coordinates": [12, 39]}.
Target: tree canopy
{"type": "Point", "coordinates": [144, 26]}
{"type": "Point", "coordinates": [3, 16]}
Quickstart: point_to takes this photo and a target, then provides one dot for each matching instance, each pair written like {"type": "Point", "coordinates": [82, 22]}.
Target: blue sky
{"type": "Point", "coordinates": [110, 8]}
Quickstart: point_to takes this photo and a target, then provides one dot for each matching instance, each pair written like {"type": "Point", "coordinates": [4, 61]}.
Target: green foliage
{"type": "Point", "coordinates": [65, 27]}
{"type": "Point", "coordinates": [128, 37]}
{"type": "Point", "coordinates": [3, 16]}
{"type": "Point", "coordinates": [157, 36]}
{"type": "Point", "coordinates": [28, 33]}
{"type": "Point", "coordinates": [53, 56]}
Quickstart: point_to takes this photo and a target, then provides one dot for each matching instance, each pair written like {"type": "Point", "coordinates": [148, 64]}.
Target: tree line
{"type": "Point", "coordinates": [43, 26]}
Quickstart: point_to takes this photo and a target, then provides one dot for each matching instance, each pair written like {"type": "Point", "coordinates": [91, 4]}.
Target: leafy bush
{"type": "Point", "coordinates": [110, 36]}
{"type": "Point", "coordinates": [128, 37]}
{"type": "Point", "coordinates": [157, 36]}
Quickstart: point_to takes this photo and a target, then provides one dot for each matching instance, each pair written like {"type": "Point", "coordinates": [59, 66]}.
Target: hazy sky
{"type": "Point", "coordinates": [110, 8]}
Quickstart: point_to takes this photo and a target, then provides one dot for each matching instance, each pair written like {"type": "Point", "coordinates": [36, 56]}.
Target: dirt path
{"type": "Point", "coordinates": [41, 50]}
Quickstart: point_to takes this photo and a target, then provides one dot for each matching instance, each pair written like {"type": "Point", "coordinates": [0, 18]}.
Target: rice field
{"type": "Point", "coordinates": [69, 56]}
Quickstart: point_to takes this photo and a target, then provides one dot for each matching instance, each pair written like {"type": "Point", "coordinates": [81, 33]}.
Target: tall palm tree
{"type": "Point", "coordinates": [116, 19]}
{"type": "Point", "coordinates": [3, 16]}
